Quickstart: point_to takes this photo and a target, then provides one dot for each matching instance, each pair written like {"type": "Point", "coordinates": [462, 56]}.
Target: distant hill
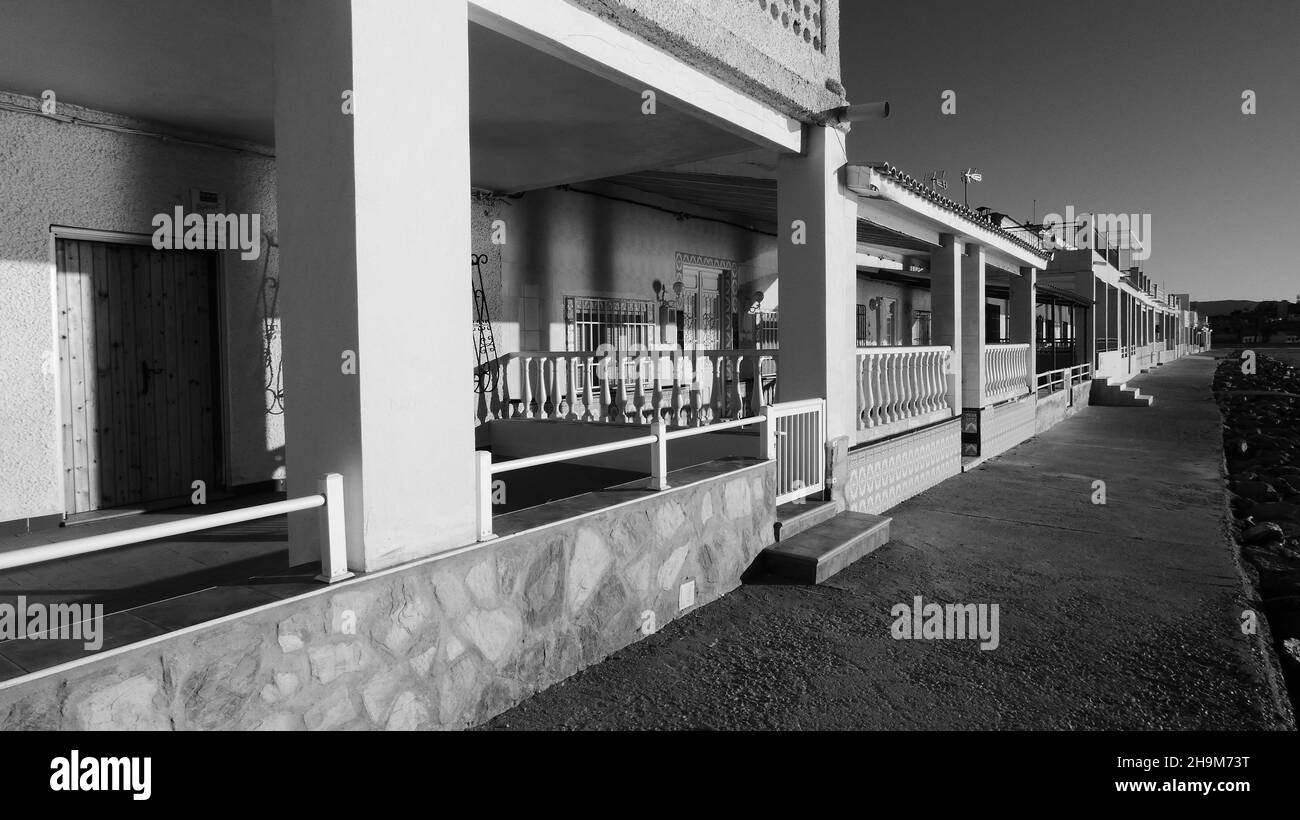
{"type": "Point", "coordinates": [1222, 307]}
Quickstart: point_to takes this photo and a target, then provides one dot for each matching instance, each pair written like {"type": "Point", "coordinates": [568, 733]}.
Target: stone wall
{"type": "Point", "coordinates": [443, 643]}
{"type": "Point", "coordinates": [1059, 406]}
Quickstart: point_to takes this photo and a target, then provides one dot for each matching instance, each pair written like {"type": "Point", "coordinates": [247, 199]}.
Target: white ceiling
{"type": "Point", "coordinates": [206, 65]}
{"type": "Point", "coordinates": [203, 65]}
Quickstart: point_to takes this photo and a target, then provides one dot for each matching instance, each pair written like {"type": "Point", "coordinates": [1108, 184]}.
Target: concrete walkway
{"type": "Point", "coordinates": [1122, 616]}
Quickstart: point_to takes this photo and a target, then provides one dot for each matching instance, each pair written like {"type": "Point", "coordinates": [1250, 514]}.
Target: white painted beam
{"type": "Point", "coordinates": [584, 40]}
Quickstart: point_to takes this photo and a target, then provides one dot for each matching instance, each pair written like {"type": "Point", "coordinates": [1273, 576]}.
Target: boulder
{"type": "Point", "coordinates": [1258, 491]}
{"type": "Point", "coordinates": [1263, 533]}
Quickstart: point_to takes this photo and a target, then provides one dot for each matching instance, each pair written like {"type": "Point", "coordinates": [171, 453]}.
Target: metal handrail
{"type": "Point", "coordinates": [658, 441]}
{"type": "Point", "coordinates": [1052, 378]}
{"type": "Point", "coordinates": [333, 531]}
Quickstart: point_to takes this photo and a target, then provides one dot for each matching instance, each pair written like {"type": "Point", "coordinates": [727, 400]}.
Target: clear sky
{"type": "Point", "coordinates": [1110, 106]}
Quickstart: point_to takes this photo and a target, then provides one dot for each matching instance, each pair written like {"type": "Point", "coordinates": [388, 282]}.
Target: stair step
{"type": "Point", "coordinates": [792, 519]}
{"type": "Point", "coordinates": [817, 553]}
{"type": "Point", "coordinates": [1105, 394]}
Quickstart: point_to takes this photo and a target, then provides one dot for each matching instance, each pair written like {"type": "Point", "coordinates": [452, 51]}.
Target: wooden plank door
{"type": "Point", "coordinates": [138, 372]}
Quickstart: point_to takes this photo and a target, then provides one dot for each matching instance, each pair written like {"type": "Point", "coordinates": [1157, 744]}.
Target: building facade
{"type": "Point", "coordinates": [684, 306]}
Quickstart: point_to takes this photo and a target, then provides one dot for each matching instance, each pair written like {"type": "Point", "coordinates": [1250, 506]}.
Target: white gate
{"type": "Point", "coordinates": [796, 433]}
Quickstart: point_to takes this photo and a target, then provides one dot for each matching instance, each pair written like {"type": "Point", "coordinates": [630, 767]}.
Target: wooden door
{"type": "Point", "coordinates": [138, 372]}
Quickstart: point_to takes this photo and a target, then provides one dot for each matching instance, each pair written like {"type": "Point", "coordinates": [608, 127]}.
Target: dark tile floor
{"type": "Point", "coordinates": [544, 514]}
{"type": "Point", "coordinates": [151, 588]}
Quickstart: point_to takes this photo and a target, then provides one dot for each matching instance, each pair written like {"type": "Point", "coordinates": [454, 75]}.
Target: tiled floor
{"type": "Point", "coordinates": [533, 517]}
{"type": "Point", "coordinates": [160, 586]}
{"type": "Point", "coordinates": [151, 588]}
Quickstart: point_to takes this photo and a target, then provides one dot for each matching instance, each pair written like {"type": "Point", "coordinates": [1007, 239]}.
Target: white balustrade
{"type": "Point", "coordinates": [680, 388]}
{"type": "Point", "coordinates": [1006, 371]}
{"type": "Point", "coordinates": [896, 384]}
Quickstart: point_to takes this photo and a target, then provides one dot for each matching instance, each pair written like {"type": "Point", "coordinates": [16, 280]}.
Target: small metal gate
{"type": "Point", "coordinates": [799, 430]}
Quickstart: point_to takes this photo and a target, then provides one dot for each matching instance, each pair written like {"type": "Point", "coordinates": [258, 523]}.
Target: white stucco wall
{"type": "Point", "coordinates": [564, 243]}
{"type": "Point", "coordinates": [61, 174]}
{"type": "Point", "coordinates": [910, 300]}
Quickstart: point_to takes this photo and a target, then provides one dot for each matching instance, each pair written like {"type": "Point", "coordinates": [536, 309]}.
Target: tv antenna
{"type": "Point", "coordinates": [968, 176]}
{"type": "Point", "coordinates": [938, 182]}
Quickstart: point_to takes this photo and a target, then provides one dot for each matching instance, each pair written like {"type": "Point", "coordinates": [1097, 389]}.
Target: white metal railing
{"type": "Point", "coordinates": [657, 440]}
{"type": "Point", "coordinates": [333, 531]}
{"type": "Point", "coordinates": [795, 436]}
{"type": "Point", "coordinates": [900, 383]}
{"type": "Point", "coordinates": [1064, 377]}
{"type": "Point", "coordinates": [1006, 370]}
{"type": "Point", "coordinates": [681, 388]}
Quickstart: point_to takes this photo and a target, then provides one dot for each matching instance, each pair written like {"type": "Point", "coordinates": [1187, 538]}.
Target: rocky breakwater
{"type": "Point", "coordinates": [1261, 442]}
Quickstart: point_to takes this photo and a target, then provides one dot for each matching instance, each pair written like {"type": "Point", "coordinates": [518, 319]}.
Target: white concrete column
{"type": "Point", "coordinates": [1085, 335]}
{"type": "Point", "coordinates": [946, 310]}
{"type": "Point", "coordinates": [1024, 290]}
{"type": "Point", "coordinates": [816, 230]}
{"type": "Point", "coordinates": [972, 327]}
{"type": "Point", "coordinates": [375, 352]}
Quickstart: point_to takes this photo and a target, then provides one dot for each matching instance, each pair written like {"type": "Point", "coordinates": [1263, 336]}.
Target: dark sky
{"type": "Point", "coordinates": [1110, 106]}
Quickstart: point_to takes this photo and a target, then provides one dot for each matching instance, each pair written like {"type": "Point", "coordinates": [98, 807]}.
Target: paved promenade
{"type": "Point", "coordinates": [1116, 616]}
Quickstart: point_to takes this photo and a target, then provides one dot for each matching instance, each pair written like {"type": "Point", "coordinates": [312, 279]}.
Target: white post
{"type": "Point", "coordinates": [333, 531]}
{"type": "Point", "coordinates": [767, 434]}
{"type": "Point", "coordinates": [658, 457]}
{"type": "Point", "coordinates": [483, 493]}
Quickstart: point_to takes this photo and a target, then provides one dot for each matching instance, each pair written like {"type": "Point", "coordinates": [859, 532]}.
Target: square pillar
{"type": "Point", "coordinates": [817, 240]}
{"type": "Point", "coordinates": [375, 352]}
{"type": "Point", "coordinates": [973, 278]}
{"type": "Point", "coordinates": [1024, 290]}
{"type": "Point", "coordinates": [946, 310]}
{"type": "Point", "coordinates": [1085, 335]}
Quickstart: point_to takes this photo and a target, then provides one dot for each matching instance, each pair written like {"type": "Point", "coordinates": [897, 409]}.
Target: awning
{"type": "Point", "coordinates": [1049, 294]}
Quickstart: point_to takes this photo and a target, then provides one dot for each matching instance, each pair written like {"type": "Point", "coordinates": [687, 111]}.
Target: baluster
{"type": "Point", "coordinates": [900, 381]}
{"type": "Point", "coordinates": [862, 392]}
{"type": "Point", "coordinates": [545, 376]}
{"type": "Point", "coordinates": [914, 378]}
{"type": "Point", "coordinates": [905, 385]}
{"type": "Point", "coordinates": [606, 395]}
{"type": "Point", "coordinates": [992, 371]}
{"type": "Point", "coordinates": [901, 410]}
{"type": "Point", "coordinates": [677, 398]}
{"type": "Point", "coordinates": [874, 394]}
{"type": "Point", "coordinates": [940, 379]}
{"type": "Point", "coordinates": [638, 392]}
{"type": "Point", "coordinates": [526, 385]}
{"type": "Point", "coordinates": [882, 383]}
{"type": "Point", "coordinates": [891, 386]}
{"type": "Point", "coordinates": [928, 370]}
{"type": "Point", "coordinates": [735, 403]}
{"type": "Point", "coordinates": [499, 390]}
{"type": "Point", "coordinates": [571, 393]}
{"type": "Point", "coordinates": [897, 389]}
{"type": "Point", "coordinates": [587, 367]}
{"type": "Point", "coordinates": [511, 408]}
{"type": "Point", "coordinates": [625, 405]}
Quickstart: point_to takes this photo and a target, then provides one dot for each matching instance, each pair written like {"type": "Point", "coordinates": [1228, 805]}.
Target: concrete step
{"type": "Point", "coordinates": [1105, 394]}
{"type": "Point", "coordinates": [792, 518]}
{"type": "Point", "coordinates": [816, 554]}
